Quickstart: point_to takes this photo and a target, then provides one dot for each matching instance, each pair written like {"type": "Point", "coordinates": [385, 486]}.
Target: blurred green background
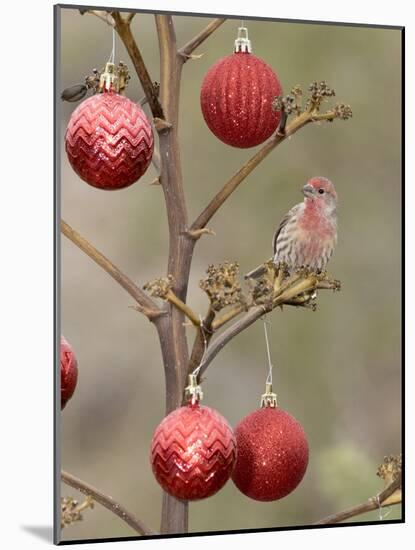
{"type": "Point", "coordinates": [338, 370]}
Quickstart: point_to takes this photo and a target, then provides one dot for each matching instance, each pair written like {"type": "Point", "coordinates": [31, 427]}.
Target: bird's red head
{"type": "Point", "coordinates": [320, 188]}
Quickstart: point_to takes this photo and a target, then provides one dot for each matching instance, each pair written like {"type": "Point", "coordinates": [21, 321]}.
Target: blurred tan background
{"type": "Point", "coordinates": [338, 371]}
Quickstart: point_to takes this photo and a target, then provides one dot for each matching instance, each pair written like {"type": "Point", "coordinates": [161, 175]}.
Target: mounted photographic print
{"type": "Point", "coordinates": [229, 199]}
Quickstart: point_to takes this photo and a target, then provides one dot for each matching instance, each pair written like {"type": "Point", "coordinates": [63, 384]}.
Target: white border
{"type": "Point", "coordinates": [27, 276]}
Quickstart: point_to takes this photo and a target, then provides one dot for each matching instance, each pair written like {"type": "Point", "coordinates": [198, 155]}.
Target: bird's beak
{"type": "Point", "coordinates": [308, 190]}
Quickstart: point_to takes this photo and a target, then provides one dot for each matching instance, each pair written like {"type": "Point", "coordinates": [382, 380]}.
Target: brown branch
{"type": "Point", "coordinates": [288, 291]}
{"type": "Point", "coordinates": [122, 26]}
{"type": "Point", "coordinates": [172, 333]}
{"type": "Point", "coordinates": [103, 15]}
{"type": "Point", "coordinates": [186, 50]}
{"type": "Point", "coordinates": [145, 303]}
{"type": "Point", "coordinates": [184, 308]}
{"type": "Point", "coordinates": [108, 502]}
{"type": "Point", "coordinates": [203, 337]}
{"type": "Point", "coordinates": [388, 497]}
{"type": "Point", "coordinates": [230, 186]}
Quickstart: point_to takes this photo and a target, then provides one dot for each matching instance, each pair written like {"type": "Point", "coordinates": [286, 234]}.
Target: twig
{"type": "Point", "coordinates": [197, 233]}
{"type": "Point", "coordinates": [186, 50]}
{"type": "Point", "coordinates": [203, 337]}
{"type": "Point", "coordinates": [122, 26]}
{"type": "Point", "coordinates": [145, 303]}
{"type": "Point", "coordinates": [247, 320]}
{"type": "Point", "coordinates": [230, 186]}
{"type": "Point", "coordinates": [387, 497]}
{"type": "Point", "coordinates": [184, 308]}
{"type": "Point", "coordinates": [255, 313]}
{"type": "Point", "coordinates": [155, 159]}
{"type": "Point", "coordinates": [108, 502]}
{"type": "Point", "coordinates": [103, 15]}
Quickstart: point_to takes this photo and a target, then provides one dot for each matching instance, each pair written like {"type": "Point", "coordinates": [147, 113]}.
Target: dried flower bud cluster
{"type": "Point", "coordinates": [390, 468]}
{"type": "Point", "coordinates": [320, 91]}
{"type": "Point", "coordinates": [159, 288]}
{"type": "Point", "coordinates": [222, 285]}
{"type": "Point", "coordinates": [262, 289]}
{"type": "Point", "coordinates": [71, 510]}
{"type": "Point", "coordinates": [343, 111]}
{"type": "Point", "coordinates": [285, 103]}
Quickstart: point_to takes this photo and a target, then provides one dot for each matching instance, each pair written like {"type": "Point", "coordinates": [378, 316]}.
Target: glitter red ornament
{"type": "Point", "coordinates": [272, 454]}
{"type": "Point", "coordinates": [193, 452]}
{"type": "Point", "coordinates": [236, 97]}
{"type": "Point", "coordinates": [69, 372]}
{"type": "Point", "coordinates": [109, 140]}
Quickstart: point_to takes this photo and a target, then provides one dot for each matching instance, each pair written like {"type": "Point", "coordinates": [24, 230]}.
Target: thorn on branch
{"type": "Point", "coordinates": [197, 233]}
{"type": "Point", "coordinates": [161, 125]}
{"type": "Point", "coordinates": [155, 181]}
{"type": "Point", "coordinates": [188, 56]}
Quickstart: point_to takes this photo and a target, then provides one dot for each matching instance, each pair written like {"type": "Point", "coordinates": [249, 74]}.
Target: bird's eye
{"type": "Point", "coordinates": [321, 191]}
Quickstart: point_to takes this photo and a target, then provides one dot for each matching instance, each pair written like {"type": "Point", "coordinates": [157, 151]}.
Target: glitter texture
{"type": "Point", "coordinates": [236, 100]}
{"type": "Point", "coordinates": [193, 452]}
{"type": "Point", "coordinates": [69, 372]}
{"type": "Point", "coordinates": [272, 454]}
{"type": "Point", "coordinates": [109, 141]}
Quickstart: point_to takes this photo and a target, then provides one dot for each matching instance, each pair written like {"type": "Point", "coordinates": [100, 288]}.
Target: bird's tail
{"type": "Point", "coordinates": [257, 272]}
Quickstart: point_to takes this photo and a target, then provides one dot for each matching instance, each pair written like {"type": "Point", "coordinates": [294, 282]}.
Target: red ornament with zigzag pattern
{"type": "Point", "coordinates": [109, 141]}
{"type": "Point", "coordinates": [193, 452]}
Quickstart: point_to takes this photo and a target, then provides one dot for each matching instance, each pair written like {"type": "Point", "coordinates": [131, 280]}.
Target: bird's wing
{"type": "Point", "coordinates": [288, 216]}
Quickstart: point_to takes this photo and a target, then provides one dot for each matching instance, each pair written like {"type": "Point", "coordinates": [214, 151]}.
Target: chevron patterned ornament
{"type": "Point", "coordinates": [236, 97]}
{"type": "Point", "coordinates": [193, 452]}
{"type": "Point", "coordinates": [109, 141]}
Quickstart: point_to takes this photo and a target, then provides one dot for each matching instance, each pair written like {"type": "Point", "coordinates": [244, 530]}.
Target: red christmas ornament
{"type": "Point", "coordinates": [69, 372]}
{"type": "Point", "coordinates": [193, 452]}
{"type": "Point", "coordinates": [236, 97]}
{"type": "Point", "coordinates": [109, 140]}
{"type": "Point", "coordinates": [272, 454]}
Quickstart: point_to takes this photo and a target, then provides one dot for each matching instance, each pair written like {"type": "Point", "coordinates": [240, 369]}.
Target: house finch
{"type": "Point", "coordinates": [307, 234]}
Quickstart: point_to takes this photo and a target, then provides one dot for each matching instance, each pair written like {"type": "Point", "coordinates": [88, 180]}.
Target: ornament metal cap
{"type": "Point", "coordinates": [269, 398]}
{"type": "Point", "coordinates": [242, 43]}
{"type": "Point", "coordinates": [108, 81]}
{"type": "Point", "coordinates": [193, 392]}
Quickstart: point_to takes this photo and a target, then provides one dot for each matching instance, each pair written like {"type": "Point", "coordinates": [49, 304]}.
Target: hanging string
{"type": "Point", "coordinates": [270, 365]}
{"type": "Point", "coordinates": [112, 55]}
{"type": "Point", "coordinates": [382, 515]}
{"type": "Point", "coordinates": [202, 330]}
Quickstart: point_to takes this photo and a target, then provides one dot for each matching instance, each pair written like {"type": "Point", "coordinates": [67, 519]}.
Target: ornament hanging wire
{"type": "Point", "coordinates": [193, 392]}
{"type": "Point", "coordinates": [382, 515]}
{"type": "Point", "coordinates": [202, 330]}
{"type": "Point", "coordinates": [242, 42]}
{"type": "Point", "coordinates": [270, 365]}
{"type": "Point", "coordinates": [269, 398]}
{"type": "Point", "coordinates": [111, 58]}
